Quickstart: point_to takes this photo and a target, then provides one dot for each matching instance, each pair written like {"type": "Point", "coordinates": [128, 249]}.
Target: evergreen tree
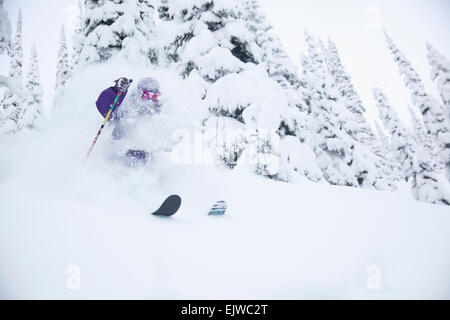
{"type": "Point", "coordinates": [267, 160]}
{"type": "Point", "coordinates": [111, 26]}
{"type": "Point", "coordinates": [400, 138]}
{"type": "Point", "coordinates": [207, 36]}
{"type": "Point", "coordinates": [77, 39]}
{"type": "Point", "coordinates": [358, 127]}
{"type": "Point", "coordinates": [33, 108]}
{"type": "Point", "coordinates": [268, 52]}
{"type": "Point", "coordinates": [210, 40]}
{"type": "Point", "coordinates": [147, 27]}
{"type": "Point", "coordinates": [346, 156]}
{"type": "Point", "coordinates": [385, 148]}
{"type": "Point", "coordinates": [418, 129]}
{"type": "Point", "coordinates": [330, 142]}
{"type": "Point", "coordinates": [381, 135]}
{"type": "Point", "coordinates": [343, 80]}
{"type": "Point", "coordinates": [16, 68]}
{"type": "Point", "coordinates": [226, 145]}
{"type": "Point", "coordinates": [424, 140]}
{"type": "Point", "coordinates": [216, 43]}
{"type": "Point", "coordinates": [440, 72]}
{"type": "Point", "coordinates": [434, 118]}
{"type": "Point", "coordinates": [271, 53]}
{"type": "Point", "coordinates": [12, 102]}
{"type": "Point", "coordinates": [5, 30]}
{"type": "Point", "coordinates": [5, 47]}
{"type": "Point", "coordinates": [415, 164]}
{"type": "Point", "coordinates": [62, 63]}
{"type": "Point", "coordinates": [146, 10]}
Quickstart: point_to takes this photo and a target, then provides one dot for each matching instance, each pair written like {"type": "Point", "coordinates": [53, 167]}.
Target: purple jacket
{"type": "Point", "coordinates": [106, 99]}
{"type": "Point", "coordinates": [135, 107]}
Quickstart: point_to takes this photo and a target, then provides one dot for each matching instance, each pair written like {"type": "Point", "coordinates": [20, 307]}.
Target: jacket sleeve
{"type": "Point", "coordinates": [106, 99]}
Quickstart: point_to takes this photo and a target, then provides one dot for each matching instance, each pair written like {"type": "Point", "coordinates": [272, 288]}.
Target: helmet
{"type": "Point", "coordinates": [148, 84]}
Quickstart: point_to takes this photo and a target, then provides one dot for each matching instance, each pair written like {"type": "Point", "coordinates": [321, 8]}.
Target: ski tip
{"type": "Point", "coordinates": [169, 207]}
{"type": "Point", "coordinates": [174, 197]}
{"type": "Point", "coordinates": [218, 209]}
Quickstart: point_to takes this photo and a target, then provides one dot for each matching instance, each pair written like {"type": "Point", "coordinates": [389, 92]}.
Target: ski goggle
{"type": "Point", "coordinates": [150, 95]}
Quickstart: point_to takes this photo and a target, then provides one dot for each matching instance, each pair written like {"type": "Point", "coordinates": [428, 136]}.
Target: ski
{"type": "Point", "coordinates": [218, 208]}
{"type": "Point", "coordinates": [169, 207]}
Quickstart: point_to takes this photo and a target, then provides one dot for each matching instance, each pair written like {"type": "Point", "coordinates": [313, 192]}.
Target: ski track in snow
{"type": "Point", "coordinates": [276, 240]}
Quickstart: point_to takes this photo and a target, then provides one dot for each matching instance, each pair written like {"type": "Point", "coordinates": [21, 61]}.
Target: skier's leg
{"type": "Point", "coordinates": [135, 157]}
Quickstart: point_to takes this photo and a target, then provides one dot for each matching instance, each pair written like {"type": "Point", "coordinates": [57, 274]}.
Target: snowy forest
{"type": "Point", "coordinates": [223, 46]}
{"type": "Point", "coordinates": [324, 182]}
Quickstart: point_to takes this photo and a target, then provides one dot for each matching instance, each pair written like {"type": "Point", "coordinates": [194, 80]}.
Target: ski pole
{"type": "Point", "coordinates": [103, 124]}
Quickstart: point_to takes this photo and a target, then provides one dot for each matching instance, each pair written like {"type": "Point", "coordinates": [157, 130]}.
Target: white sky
{"type": "Point", "coordinates": [352, 24]}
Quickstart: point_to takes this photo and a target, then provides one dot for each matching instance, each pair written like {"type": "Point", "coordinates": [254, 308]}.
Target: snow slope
{"type": "Point", "coordinates": [277, 240]}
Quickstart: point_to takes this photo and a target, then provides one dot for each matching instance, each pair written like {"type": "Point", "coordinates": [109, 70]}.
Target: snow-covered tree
{"type": "Point", "coordinates": [33, 108]}
{"type": "Point", "coordinates": [343, 80]}
{"type": "Point", "coordinates": [418, 129]}
{"type": "Point", "coordinates": [344, 159]}
{"type": "Point", "coordinates": [434, 117]}
{"type": "Point", "coordinates": [228, 44]}
{"type": "Point", "coordinates": [77, 40]}
{"type": "Point", "coordinates": [16, 69]}
{"type": "Point", "coordinates": [5, 30]}
{"type": "Point", "coordinates": [13, 102]}
{"type": "Point", "coordinates": [146, 14]}
{"type": "Point", "coordinates": [216, 38]}
{"type": "Point", "coordinates": [381, 135]}
{"type": "Point", "coordinates": [385, 148]}
{"type": "Point", "coordinates": [331, 144]}
{"type": "Point", "coordinates": [295, 155]}
{"type": "Point", "coordinates": [250, 115]}
{"type": "Point", "coordinates": [358, 127]}
{"type": "Point", "coordinates": [111, 26]}
{"type": "Point", "coordinates": [422, 138]}
{"type": "Point", "coordinates": [209, 40]}
{"type": "Point", "coordinates": [440, 72]}
{"type": "Point", "coordinates": [5, 46]}
{"type": "Point", "coordinates": [267, 160]}
{"type": "Point", "coordinates": [207, 36]}
{"type": "Point", "coordinates": [62, 63]}
{"type": "Point", "coordinates": [271, 53]}
{"type": "Point", "coordinates": [426, 184]}
{"type": "Point", "coordinates": [400, 137]}
{"type": "Point", "coordinates": [268, 52]}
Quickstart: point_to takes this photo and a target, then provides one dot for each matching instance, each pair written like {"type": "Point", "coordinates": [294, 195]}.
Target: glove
{"type": "Point", "coordinates": [122, 84]}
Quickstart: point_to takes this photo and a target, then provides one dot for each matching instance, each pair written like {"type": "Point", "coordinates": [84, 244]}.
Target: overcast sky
{"type": "Point", "coordinates": [354, 25]}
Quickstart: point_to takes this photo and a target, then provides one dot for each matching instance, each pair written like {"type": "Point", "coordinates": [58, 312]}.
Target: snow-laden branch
{"type": "Point", "coordinates": [9, 83]}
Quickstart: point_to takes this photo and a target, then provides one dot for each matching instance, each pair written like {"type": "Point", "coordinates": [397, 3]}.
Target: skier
{"type": "Point", "coordinates": [141, 102]}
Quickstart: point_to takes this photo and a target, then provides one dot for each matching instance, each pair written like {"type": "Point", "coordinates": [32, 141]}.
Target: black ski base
{"type": "Point", "coordinates": [169, 207]}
